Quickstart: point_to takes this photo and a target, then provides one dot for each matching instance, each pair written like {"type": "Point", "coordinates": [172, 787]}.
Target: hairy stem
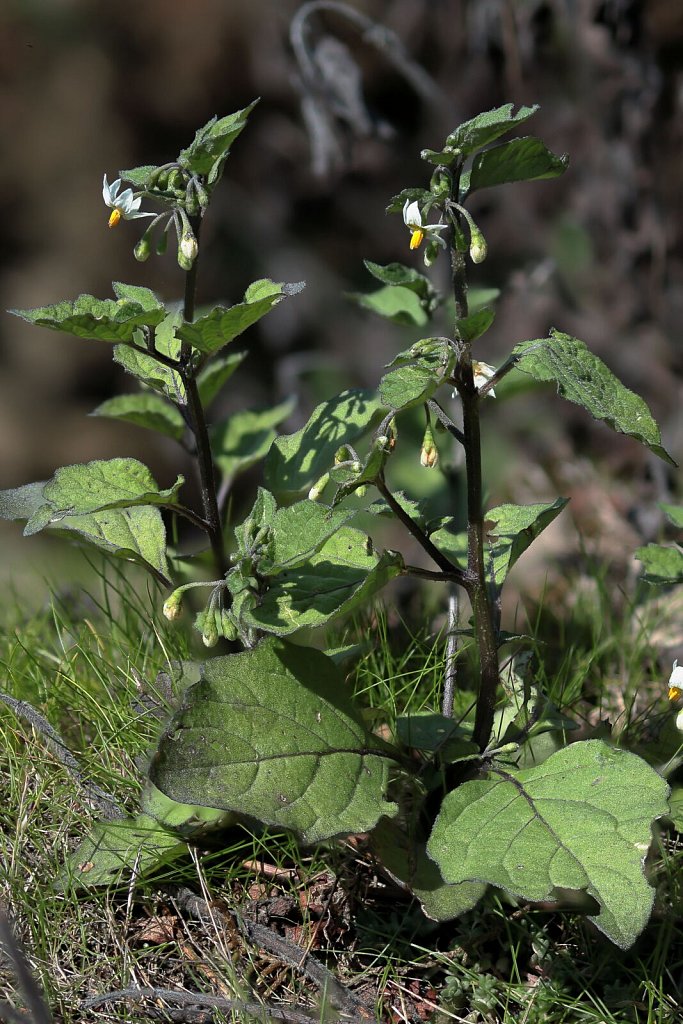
{"type": "Point", "coordinates": [197, 420]}
{"type": "Point", "coordinates": [447, 567]}
{"type": "Point", "coordinates": [478, 590]}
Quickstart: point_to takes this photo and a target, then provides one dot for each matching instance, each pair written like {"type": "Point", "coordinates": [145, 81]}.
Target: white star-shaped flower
{"type": "Point", "coordinates": [413, 221]}
{"type": "Point", "coordinates": [124, 206]}
{"type": "Point", "coordinates": [676, 682]}
{"type": "Point", "coordinates": [482, 375]}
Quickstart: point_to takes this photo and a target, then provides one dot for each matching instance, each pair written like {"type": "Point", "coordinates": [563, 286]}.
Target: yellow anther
{"type": "Point", "coordinates": [416, 238]}
{"type": "Point", "coordinates": [675, 692]}
{"type": "Point", "coordinates": [114, 218]}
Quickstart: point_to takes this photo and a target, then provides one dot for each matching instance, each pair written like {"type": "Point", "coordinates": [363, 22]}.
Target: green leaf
{"type": "Point", "coordinates": [407, 862]}
{"type": "Point", "coordinates": [394, 302]}
{"type": "Point", "coordinates": [140, 177]}
{"type": "Point", "coordinates": [296, 461]}
{"type": "Point", "coordinates": [520, 160]}
{"type": "Point", "coordinates": [148, 370]}
{"type": "Point", "coordinates": [22, 502]}
{"type": "Point", "coordinates": [433, 732]}
{"type": "Point", "coordinates": [661, 565]}
{"type": "Point", "coordinates": [473, 326]}
{"type": "Point", "coordinates": [117, 851]}
{"type": "Point", "coordinates": [223, 324]}
{"type": "Point", "coordinates": [271, 733]}
{"type": "Point", "coordinates": [144, 297]}
{"type": "Point", "coordinates": [408, 386]}
{"type": "Point", "coordinates": [339, 578]}
{"type": "Point", "coordinates": [213, 141]}
{"type": "Point", "coordinates": [145, 410]}
{"type": "Point", "coordinates": [298, 532]}
{"type": "Point", "coordinates": [674, 513]}
{"type": "Point", "coordinates": [398, 274]}
{"type": "Point", "coordinates": [515, 528]}
{"type": "Point", "coordinates": [487, 127]}
{"type": "Point", "coordinates": [134, 534]}
{"type": "Point", "coordinates": [98, 319]}
{"type": "Point", "coordinates": [581, 820]}
{"type": "Point", "coordinates": [175, 815]}
{"type": "Point", "coordinates": [244, 439]}
{"type": "Point", "coordinates": [215, 374]}
{"type": "Point", "coordinates": [420, 195]}
{"type": "Point", "coordinates": [103, 484]}
{"type": "Point", "coordinates": [583, 378]}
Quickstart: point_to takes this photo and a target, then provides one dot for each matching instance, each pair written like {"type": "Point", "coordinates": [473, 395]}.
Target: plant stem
{"type": "Point", "coordinates": [476, 570]}
{"type": "Point", "coordinates": [197, 420]}
{"type": "Point", "coordinates": [452, 571]}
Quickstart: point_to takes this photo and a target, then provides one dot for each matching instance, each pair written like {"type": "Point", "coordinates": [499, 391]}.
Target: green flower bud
{"type": "Point", "coordinates": [176, 180]}
{"type": "Point", "coordinates": [440, 184]}
{"type": "Point", "coordinates": [342, 454]}
{"type": "Point", "coordinates": [210, 631]}
{"type": "Point", "coordinates": [187, 250]}
{"type": "Point", "coordinates": [143, 249]}
{"type": "Point", "coordinates": [162, 243]}
{"type": "Point", "coordinates": [318, 487]}
{"type": "Point", "coordinates": [228, 627]}
{"type": "Point", "coordinates": [478, 247]}
{"type": "Point", "coordinates": [429, 455]}
{"type": "Point", "coordinates": [173, 605]}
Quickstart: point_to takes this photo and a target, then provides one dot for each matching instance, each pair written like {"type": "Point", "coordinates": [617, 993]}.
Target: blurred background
{"type": "Point", "coordinates": [91, 88]}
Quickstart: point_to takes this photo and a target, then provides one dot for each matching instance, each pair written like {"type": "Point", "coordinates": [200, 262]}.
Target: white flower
{"type": "Point", "coordinates": [413, 221]}
{"type": "Point", "coordinates": [124, 206]}
{"type": "Point", "coordinates": [482, 375]}
{"type": "Point", "coordinates": [676, 682]}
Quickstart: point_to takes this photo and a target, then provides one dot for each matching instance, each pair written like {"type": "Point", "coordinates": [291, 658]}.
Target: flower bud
{"type": "Point", "coordinates": [162, 243]}
{"type": "Point", "coordinates": [187, 250]}
{"type": "Point", "coordinates": [142, 250]}
{"type": "Point", "coordinates": [210, 631]}
{"type": "Point", "coordinates": [173, 605]}
{"type": "Point", "coordinates": [318, 487]}
{"type": "Point", "coordinates": [429, 455]}
{"type": "Point", "coordinates": [342, 454]}
{"type": "Point", "coordinates": [478, 247]}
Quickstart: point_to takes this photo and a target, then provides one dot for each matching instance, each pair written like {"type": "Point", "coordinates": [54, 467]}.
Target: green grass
{"type": "Point", "coordinates": [86, 662]}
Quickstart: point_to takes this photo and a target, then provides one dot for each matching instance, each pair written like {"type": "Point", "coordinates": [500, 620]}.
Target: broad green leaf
{"type": "Point", "coordinates": [271, 733]}
{"type": "Point", "coordinates": [394, 302]}
{"type": "Point", "coordinates": [514, 528]}
{"type": "Point", "coordinates": [398, 274]}
{"type": "Point", "coordinates": [296, 461]}
{"type": "Point", "coordinates": [473, 326]}
{"type": "Point", "coordinates": [487, 127]}
{"type": "Point", "coordinates": [175, 815]}
{"type": "Point", "coordinates": [225, 323]}
{"type": "Point", "coordinates": [145, 409]}
{"type": "Point", "coordinates": [145, 297]}
{"type": "Point", "coordinates": [215, 374]}
{"type": "Point", "coordinates": [22, 502]}
{"type": "Point", "coordinates": [134, 534]}
{"type": "Point", "coordinates": [520, 160]}
{"type": "Point", "coordinates": [299, 531]}
{"type": "Point", "coordinates": [674, 514]}
{"type": "Point", "coordinates": [408, 386]}
{"type": "Point", "coordinates": [243, 439]}
{"type": "Point", "coordinates": [148, 370]}
{"type": "Point", "coordinates": [339, 578]}
{"type": "Point", "coordinates": [581, 820]}
{"type": "Point", "coordinates": [436, 734]}
{"type": "Point", "coordinates": [407, 862]}
{"type": "Point", "coordinates": [140, 177]}
{"type": "Point", "coordinates": [213, 141]}
{"type": "Point", "coordinates": [661, 565]}
{"type": "Point", "coordinates": [118, 850]}
{"type": "Point", "coordinates": [102, 484]}
{"type": "Point", "coordinates": [99, 319]}
{"type": "Point", "coordinates": [583, 378]}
